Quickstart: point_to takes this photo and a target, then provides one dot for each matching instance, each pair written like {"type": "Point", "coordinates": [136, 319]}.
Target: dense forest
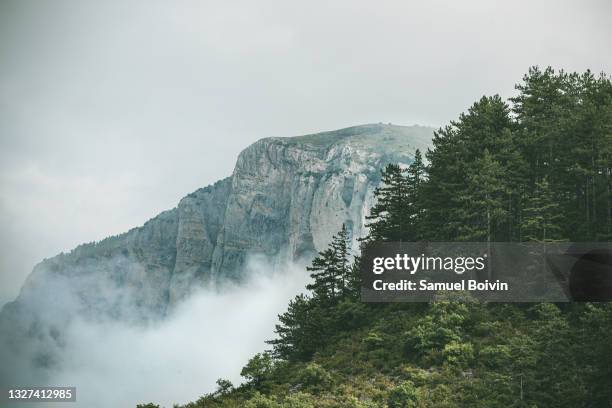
{"type": "Point", "coordinates": [535, 168]}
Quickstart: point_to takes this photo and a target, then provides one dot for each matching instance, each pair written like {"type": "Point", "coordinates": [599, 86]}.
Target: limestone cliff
{"type": "Point", "coordinates": [284, 200]}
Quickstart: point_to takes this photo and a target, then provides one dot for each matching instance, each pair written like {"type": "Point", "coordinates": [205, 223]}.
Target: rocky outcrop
{"type": "Point", "coordinates": [284, 200]}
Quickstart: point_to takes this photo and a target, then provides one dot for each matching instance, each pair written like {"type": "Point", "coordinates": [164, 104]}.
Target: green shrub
{"type": "Point", "coordinates": [315, 377]}
{"type": "Point", "coordinates": [403, 396]}
{"type": "Point", "coordinates": [458, 354]}
{"type": "Point", "coordinates": [258, 368]}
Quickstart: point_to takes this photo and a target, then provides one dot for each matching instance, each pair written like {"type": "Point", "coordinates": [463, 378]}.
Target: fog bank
{"type": "Point", "coordinates": [210, 335]}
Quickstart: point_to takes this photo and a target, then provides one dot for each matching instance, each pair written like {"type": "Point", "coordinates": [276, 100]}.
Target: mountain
{"type": "Point", "coordinates": [284, 200]}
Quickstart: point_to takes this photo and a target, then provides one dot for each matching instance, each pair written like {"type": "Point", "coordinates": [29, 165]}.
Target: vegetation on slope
{"type": "Point", "coordinates": [537, 169]}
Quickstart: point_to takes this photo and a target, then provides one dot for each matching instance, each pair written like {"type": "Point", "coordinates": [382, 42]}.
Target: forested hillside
{"type": "Point", "coordinates": [535, 168]}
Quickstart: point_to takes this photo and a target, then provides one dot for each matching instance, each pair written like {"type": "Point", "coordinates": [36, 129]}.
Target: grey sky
{"type": "Point", "coordinates": [110, 111]}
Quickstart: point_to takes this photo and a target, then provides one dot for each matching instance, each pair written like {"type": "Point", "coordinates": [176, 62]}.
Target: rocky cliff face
{"type": "Point", "coordinates": [284, 200]}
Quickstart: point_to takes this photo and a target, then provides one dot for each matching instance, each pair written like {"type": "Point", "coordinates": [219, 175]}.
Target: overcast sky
{"type": "Point", "coordinates": [111, 111]}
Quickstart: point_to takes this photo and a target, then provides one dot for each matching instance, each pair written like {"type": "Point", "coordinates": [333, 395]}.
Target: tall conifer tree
{"type": "Point", "coordinates": [541, 219]}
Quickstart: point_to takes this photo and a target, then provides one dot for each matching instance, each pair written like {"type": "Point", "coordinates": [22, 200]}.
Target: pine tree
{"type": "Point", "coordinates": [353, 282]}
{"type": "Point", "coordinates": [340, 245]}
{"type": "Point", "coordinates": [323, 268]}
{"type": "Point", "coordinates": [416, 176]}
{"type": "Point", "coordinates": [481, 206]}
{"type": "Point", "coordinates": [330, 270]}
{"type": "Point", "coordinates": [487, 125]}
{"type": "Point", "coordinates": [541, 219]}
{"type": "Point", "coordinates": [390, 217]}
{"type": "Point", "coordinates": [298, 330]}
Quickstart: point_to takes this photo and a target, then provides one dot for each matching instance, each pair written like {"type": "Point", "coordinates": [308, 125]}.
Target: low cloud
{"type": "Point", "coordinates": [210, 335]}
